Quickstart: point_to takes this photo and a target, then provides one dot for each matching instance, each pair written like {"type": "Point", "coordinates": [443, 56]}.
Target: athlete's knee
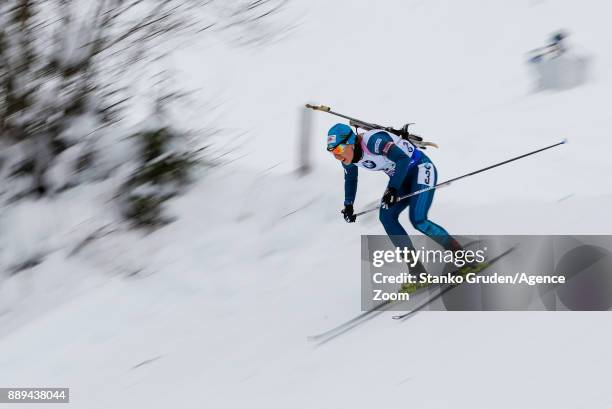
{"type": "Point", "coordinates": [387, 217]}
{"type": "Point", "coordinates": [418, 222]}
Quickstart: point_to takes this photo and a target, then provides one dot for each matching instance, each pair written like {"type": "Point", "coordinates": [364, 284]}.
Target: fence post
{"type": "Point", "coordinates": [304, 160]}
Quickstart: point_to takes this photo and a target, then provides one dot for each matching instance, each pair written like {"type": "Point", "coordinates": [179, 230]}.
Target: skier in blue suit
{"type": "Point", "coordinates": [409, 170]}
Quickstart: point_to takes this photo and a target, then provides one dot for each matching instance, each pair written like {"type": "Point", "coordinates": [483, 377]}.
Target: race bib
{"type": "Point", "coordinates": [426, 175]}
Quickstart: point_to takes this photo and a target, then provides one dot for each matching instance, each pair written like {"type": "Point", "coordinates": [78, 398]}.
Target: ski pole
{"type": "Point", "coordinates": [448, 182]}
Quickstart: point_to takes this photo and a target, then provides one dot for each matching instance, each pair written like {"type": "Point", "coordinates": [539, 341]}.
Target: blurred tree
{"type": "Point", "coordinates": [66, 67]}
{"type": "Point", "coordinates": [165, 159]}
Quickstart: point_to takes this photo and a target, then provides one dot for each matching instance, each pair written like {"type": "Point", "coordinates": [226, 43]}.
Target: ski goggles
{"type": "Point", "coordinates": [338, 149]}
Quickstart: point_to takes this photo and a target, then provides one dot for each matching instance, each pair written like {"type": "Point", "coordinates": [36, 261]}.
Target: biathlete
{"type": "Point", "coordinates": [409, 170]}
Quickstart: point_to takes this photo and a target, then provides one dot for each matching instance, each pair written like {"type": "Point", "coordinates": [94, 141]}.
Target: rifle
{"type": "Point", "coordinates": [403, 132]}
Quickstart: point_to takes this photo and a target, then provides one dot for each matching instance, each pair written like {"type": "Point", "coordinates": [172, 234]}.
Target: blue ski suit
{"type": "Point", "coordinates": [409, 170]}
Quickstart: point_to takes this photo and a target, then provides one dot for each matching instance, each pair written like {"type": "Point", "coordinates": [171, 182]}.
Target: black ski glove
{"type": "Point", "coordinates": [389, 198]}
{"type": "Point", "coordinates": [348, 214]}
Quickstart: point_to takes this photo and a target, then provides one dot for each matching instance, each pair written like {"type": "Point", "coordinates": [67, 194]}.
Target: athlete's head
{"type": "Point", "coordinates": [341, 142]}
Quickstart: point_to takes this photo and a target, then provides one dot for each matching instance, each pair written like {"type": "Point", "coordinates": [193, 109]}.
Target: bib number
{"type": "Point", "coordinates": [426, 175]}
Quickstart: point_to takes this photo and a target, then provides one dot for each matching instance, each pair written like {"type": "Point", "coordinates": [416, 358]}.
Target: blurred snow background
{"type": "Point", "coordinates": [213, 309]}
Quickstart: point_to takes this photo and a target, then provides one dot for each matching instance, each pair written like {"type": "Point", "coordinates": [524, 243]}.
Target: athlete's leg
{"type": "Point", "coordinates": [397, 234]}
{"type": "Point", "coordinates": [390, 221]}
{"type": "Point", "coordinates": [426, 176]}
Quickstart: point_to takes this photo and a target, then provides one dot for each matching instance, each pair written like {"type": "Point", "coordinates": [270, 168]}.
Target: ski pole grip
{"type": "Point", "coordinates": [319, 107]}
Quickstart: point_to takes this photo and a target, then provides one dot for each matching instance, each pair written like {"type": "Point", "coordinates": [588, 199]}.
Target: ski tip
{"type": "Point", "coordinates": [313, 338]}
{"type": "Point", "coordinates": [397, 317]}
{"type": "Point", "coordinates": [565, 140]}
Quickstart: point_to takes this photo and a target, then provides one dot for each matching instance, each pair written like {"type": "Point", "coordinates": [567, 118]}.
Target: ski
{"type": "Point", "coordinates": [367, 315]}
{"type": "Point", "coordinates": [447, 287]}
{"type": "Point", "coordinates": [348, 325]}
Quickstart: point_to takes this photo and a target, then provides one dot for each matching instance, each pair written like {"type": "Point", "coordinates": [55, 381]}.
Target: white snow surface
{"type": "Point", "coordinates": [213, 310]}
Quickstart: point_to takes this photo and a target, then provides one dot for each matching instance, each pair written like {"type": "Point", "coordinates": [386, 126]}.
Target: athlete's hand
{"type": "Point", "coordinates": [389, 198]}
{"type": "Point", "coordinates": [348, 214]}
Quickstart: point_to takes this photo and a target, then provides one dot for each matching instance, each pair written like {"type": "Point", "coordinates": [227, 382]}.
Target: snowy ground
{"type": "Point", "coordinates": [213, 311]}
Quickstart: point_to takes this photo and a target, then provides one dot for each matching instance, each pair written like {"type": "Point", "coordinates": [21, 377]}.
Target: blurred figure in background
{"type": "Point", "coordinates": [556, 47]}
{"type": "Point", "coordinates": [556, 66]}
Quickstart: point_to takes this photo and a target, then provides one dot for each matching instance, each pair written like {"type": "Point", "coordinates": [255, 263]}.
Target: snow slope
{"type": "Point", "coordinates": [213, 311]}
